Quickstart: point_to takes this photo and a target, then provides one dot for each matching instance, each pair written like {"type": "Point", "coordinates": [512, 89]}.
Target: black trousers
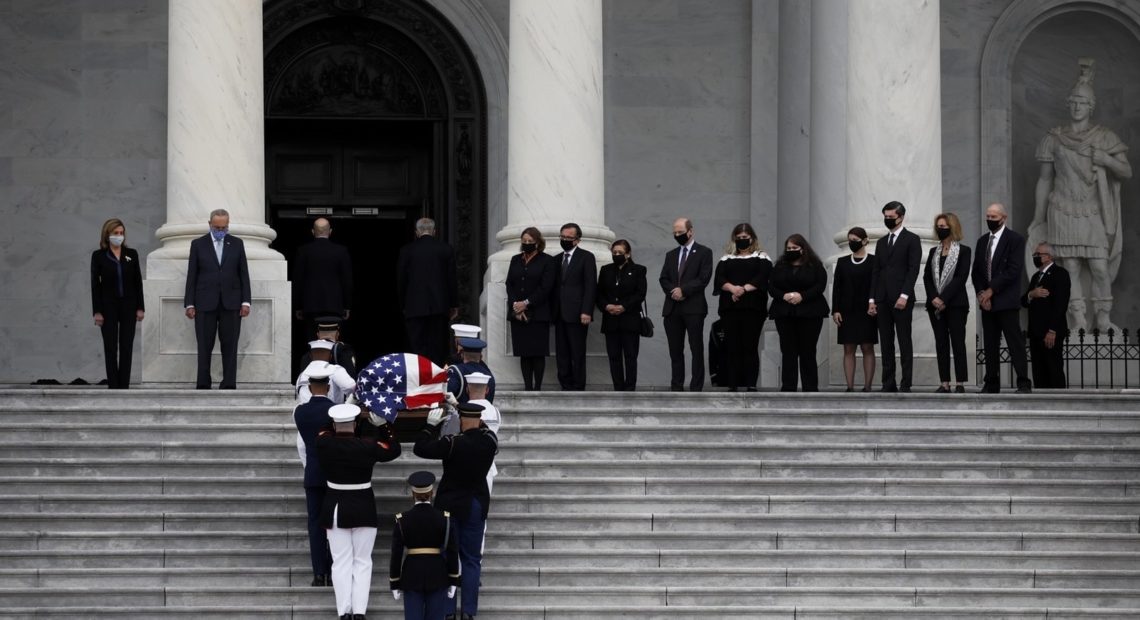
{"type": "Point", "coordinates": [892, 322]}
{"type": "Point", "coordinates": [742, 347]}
{"type": "Point", "coordinates": [950, 336]}
{"type": "Point", "coordinates": [1048, 364]}
{"type": "Point", "coordinates": [118, 332]}
{"type": "Point", "coordinates": [318, 538]}
{"type": "Point", "coordinates": [427, 336]}
{"type": "Point", "coordinates": [798, 337]}
{"type": "Point", "coordinates": [995, 324]}
{"type": "Point", "coordinates": [676, 326]}
{"type": "Point", "coordinates": [570, 354]}
{"type": "Point", "coordinates": [622, 349]}
{"type": "Point", "coordinates": [224, 325]}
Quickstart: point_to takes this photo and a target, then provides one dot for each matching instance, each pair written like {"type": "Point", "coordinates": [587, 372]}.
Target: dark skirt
{"type": "Point", "coordinates": [858, 328]}
{"type": "Point", "coordinates": [530, 338]}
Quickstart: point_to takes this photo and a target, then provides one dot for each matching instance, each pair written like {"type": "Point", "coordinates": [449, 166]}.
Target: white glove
{"type": "Point", "coordinates": [451, 592]}
{"type": "Point", "coordinates": [396, 594]}
{"type": "Point", "coordinates": [451, 399]}
{"type": "Point", "coordinates": [435, 416]}
{"type": "Point", "coordinates": [377, 420]}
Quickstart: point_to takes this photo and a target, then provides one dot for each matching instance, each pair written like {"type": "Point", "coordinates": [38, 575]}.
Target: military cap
{"type": "Point", "coordinates": [477, 378]}
{"type": "Point", "coordinates": [322, 343]}
{"type": "Point", "coordinates": [462, 330]}
{"type": "Point", "coordinates": [421, 481]}
{"type": "Point", "coordinates": [470, 410]}
{"type": "Point", "coordinates": [328, 323]}
{"type": "Point", "coordinates": [473, 345]}
{"type": "Point", "coordinates": [344, 413]}
{"type": "Point", "coordinates": [318, 371]}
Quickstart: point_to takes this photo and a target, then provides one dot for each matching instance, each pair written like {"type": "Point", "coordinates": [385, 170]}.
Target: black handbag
{"type": "Point", "coordinates": [646, 322]}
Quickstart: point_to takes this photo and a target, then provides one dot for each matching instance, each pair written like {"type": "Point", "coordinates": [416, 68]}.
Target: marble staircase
{"type": "Point", "coordinates": [181, 504]}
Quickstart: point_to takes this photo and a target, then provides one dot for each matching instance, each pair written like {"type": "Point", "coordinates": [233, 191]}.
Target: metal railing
{"type": "Point", "coordinates": [1092, 360]}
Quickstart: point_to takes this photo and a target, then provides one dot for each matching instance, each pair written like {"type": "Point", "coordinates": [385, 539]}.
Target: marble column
{"type": "Point", "coordinates": [555, 157]}
{"type": "Point", "coordinates": [215, 159]}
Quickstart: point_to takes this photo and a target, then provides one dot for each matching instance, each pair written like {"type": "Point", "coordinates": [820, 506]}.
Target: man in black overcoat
{"type": "Point", "coordinates": [1048, 302]}
{"type": "Point", "coordinates": [684, 277]}
{"type": "Point", "coordinates": [898, 256]}
{"type": "Point", "coordinates": [322, 276]}
{"type": "Point", "coordinates": [427, 290]}
{"type": "Point", "coordinates": [575, 284]}
{"type": "Point", "coordinates": [217, 297]}
{"type": "Point", "coordinates": [999, 266]}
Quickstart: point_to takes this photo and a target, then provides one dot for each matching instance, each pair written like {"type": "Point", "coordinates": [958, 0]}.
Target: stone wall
{"type": "Point", "coordinates": [82, 139]}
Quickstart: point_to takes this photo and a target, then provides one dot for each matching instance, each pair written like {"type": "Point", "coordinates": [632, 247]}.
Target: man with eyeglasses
{"type": "Point", "coordinates": [575, 284]}
{"type": "Point", "coordinates": [217, 297]}
{"type": "Point", "coordinates": [1048, 302]}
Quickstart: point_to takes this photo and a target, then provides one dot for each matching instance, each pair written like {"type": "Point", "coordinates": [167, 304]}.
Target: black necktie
{"type": "Point", "coordinates": [684, 259]}
{"type": "Point", "coordinates": [990, 257]}
{"type": "Point", "coordinates": [565, 262]}
{"type": "Point", "coordinates": [891, 242]}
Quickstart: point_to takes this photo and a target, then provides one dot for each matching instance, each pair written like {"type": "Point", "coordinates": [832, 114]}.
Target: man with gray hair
{"type": "Point", "coordinates": [1047, 300]}
{"type": "Point", "coordinates": [427, 290]}
{"type": "Point", "coordinates": [217, 296]}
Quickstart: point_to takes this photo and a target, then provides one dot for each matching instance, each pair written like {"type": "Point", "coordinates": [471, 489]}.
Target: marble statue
{"type": "Point", "coordinates": [1078, 203]}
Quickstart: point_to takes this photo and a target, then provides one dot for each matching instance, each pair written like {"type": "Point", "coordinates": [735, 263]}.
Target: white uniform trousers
{"type": "Point", "coordinates": [351, 566]}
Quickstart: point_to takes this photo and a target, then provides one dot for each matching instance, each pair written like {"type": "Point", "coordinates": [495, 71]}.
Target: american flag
{"type": "Point", "coordinates": [399, 381]}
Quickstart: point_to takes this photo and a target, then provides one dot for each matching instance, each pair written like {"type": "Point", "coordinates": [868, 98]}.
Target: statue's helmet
{"type": "Point", "coordinates": [1083, 89]}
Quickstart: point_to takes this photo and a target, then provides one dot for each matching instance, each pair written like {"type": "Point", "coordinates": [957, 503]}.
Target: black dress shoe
{"type": "Point", "coordinates": [319, 580]}
{"type": "Point", "coordinates": [358, 617]}
{"type": "Point", "coordinates": [1024, 389]}
{"type": "Point", "coordinates": [449, 617]}
{"type": "Point", "coordinates": [991, 389]}
{"type": "Point", "coordinates": [905, 388]}
{"type": "Point", "coordinates": [958, 389]}
{"type": "Point", "coordinates": [672, 388]}
{"type": "Point", "coordinates": [942, 389]}
{"type": "Point", "coordinates": [466, 617]}
{"type": "Point", "coordinates": [888, 388]}
{"type": "Point", "coordinates": [201, 387]}
{"type": "Point", "coordinates": [346, 617]}
{"type": "Point", "coordinates": [867, 388]}
{"type": "Point", "coordinates": [850, 388]}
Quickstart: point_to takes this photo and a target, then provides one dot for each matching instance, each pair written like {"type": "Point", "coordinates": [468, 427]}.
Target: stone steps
{"type": "Point", "coordinates": [182, 504]}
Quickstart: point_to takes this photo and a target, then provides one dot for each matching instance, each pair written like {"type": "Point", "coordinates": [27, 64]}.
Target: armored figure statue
{"type": "Point", "coordinates": [1078, 203]}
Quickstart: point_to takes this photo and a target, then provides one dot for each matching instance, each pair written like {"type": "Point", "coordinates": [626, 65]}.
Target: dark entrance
{"type": "Point", "coordinates": [374, 118]}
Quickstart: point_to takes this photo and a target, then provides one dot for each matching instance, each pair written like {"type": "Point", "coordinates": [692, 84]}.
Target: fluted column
{"type": "Point", "coordinates": [215, 159]}
{"type": "Point", "coordinates": [555, 158]}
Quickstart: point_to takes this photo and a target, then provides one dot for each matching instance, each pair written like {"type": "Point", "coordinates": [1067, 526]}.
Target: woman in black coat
{"type": "Point", "coordinates": [850, 295]}
{"type": "Point", "coordinates": [116, 300]}
{"type": "Point", "coordinates": [620, 293]}
{"type": "Point", "coordinates": [530, 283]}
{"type": "Point", "coordinates": [947, 302]}
{"type": "Point", "coordinates": [741, 282]}
{"type": "Point", "coordinates": [798, 307]}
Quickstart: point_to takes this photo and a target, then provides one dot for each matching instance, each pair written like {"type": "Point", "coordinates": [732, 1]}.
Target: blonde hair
{"type": "Point", "coordinates": [952, 222]}
{"type": "Point", "coordinates": [108, 226]}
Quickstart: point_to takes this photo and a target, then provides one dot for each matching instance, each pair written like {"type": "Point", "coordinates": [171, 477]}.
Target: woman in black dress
{"type": "Point", "coordinates": [530, 282]}
{"type": "Point", "coordinates": [947, 302]}
{"type": "Point", "coordinates": [850, 291]}
{"type": "Point", "coordinates": [621, 290]}
{"type": "Point", "coordinates": [798, 307]}
{"type": "Point", "coordinates": [116, 300]}
{"type": "Point", "coordinates": [741, 282]}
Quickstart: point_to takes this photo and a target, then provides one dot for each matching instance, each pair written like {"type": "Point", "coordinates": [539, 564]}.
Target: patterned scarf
{"type": "Point", "coordinates": [942, 275]}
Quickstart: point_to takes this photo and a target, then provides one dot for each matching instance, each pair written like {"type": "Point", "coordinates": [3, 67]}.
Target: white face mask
{"type": "Point", "coordinates": [116, 240]}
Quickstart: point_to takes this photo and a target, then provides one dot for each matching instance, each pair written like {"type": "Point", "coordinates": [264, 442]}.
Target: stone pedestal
{"type": "Point", "coordinates": [215, 159]}
{"type": "Point", "coordinates": [555, 163]}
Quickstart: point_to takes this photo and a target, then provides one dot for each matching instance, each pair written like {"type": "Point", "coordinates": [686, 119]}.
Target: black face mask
{"type": "Point", "coordinates": [1037, 262]}
{"type": "Point", "coordinates": [793, 255]}
{"type": "Point", "coordinates": [619, 259]}
{"type": "Point", "coordinates": [566, 245]}
{"type": "Point", "coordinates": [890, 222]}
{"type": "Point", "coordinates": [529, 247]}
{"type": "Point", "coordinates": [993, 225]}
{"type": "Point", "coordinates": [682, 238]}
{"type": "Point", "coordinates": [743, 244]}
{"type": "Point", "coordinates": [855, 245]}
{"type": "Point", "coordinates": [943, 232]}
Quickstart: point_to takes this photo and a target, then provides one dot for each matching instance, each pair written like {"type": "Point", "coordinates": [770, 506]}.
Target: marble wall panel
{"type": "Point", "coordinates": [82, 139]}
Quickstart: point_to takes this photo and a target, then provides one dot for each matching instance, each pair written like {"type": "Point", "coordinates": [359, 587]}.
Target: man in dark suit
{"type": "Point", "coordinates": [684, 276]}
{"type": "Point", "coordinates": [893, 274]}
{"type": "Point", "coordinates": [217, 296]}
{"type": "Point", "coordinates": [575, 284]}
{"type": "Point", "coordinates": [310, 418]}
{"type": "Point", "coordinates": [428, 292]}
{"type": "Point", "coordinates": [1048, 301]}
{"type": "Point", "coordinates": [999, 266]}
{"type": "Point", "coordinates": [322, 277]}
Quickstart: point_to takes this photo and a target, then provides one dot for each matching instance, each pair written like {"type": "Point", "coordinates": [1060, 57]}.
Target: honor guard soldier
{"type": "Point", "coordinates": [461, 330]}
{"type": "Point", "coordinates": [470, 360]}
{"type": "Point", "coordinates": [341, 384]}
{"type": "Point", "coordinates": [424, 559]}
{"type": "Point", "coordinates": [349, 511]}
{"type": "Point", "coordinates": [310, 418]}
{"type": "Point", "coordinates": [467, 457]}
{"type": "Point", "coordinates": [328, 328]}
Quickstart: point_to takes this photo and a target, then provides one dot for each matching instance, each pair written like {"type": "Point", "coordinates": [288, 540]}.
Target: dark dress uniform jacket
{"type": "Point", "coordinates": [423, 527]}
{"type": "Point", "coordinates": [698, 273]}
{"type": "Point", "coordinates": [322, 278]}
{"type": "Point", "coordinates": [310, 418]}
{"type": "Point", "coordinates": [624, 286]}
{"type": "Point", "coordinates": [1048, 313]}
{"type": "Point", "coordinates": [210, 286]}
{"type": "Point", "coordinates": [457, 379]}
{"type": "Point", "coordinates": [955, 294]}
{"type": "Point", "coordinates": [574, 287]}
{"type": "Point", "coordinates": [1006, 270]}
{"type": "Point", "coordinates": [425, 278]}
{"type": "Point", "coordinates": [533, 281]}
{"type": "Point", "coordinates": [809, 280]}
{"type": "Point", "coordinates": [896, 268]}
{"type": "Point", "coordinates": [349, 460]}
{"type": "Point", "coordinates": [105, 280]}
{"type": "Point", "coordinates": [467, 457]}
{"type": "Point", "coordinates": [343, 356]}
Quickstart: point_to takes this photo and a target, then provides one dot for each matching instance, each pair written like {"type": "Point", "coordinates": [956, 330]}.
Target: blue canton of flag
{"type": "Point", "coordinates": [399, 381]}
